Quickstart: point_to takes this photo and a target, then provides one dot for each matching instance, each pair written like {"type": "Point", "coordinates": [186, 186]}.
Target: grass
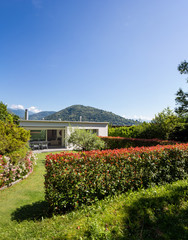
{"type": "Point", "coordinates": [26, 192]}
{"type": "Point", "coordinates": [156, 213]}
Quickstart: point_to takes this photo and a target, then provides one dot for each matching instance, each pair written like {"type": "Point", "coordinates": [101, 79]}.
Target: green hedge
{"type": "Point", "coordinates": [180, 133]}
{"type": "Point", "coordinates": [125, 131]}
{"type": "Point", "coordinates": [121, 142]}
{"type": "Point", "coordinates": [73, 179]}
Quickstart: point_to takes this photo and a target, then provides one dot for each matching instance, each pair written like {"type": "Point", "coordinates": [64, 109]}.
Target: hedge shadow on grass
{"type": "Point", "coordinates": [35, 211]}
{"type": "Point", "coordinates": [158, 217]}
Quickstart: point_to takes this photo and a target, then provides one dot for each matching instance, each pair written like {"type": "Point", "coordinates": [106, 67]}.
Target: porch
{"type": "Point", "coordinates": [50, 150]}
{"type": "Point", "coordinates": [47, 138]}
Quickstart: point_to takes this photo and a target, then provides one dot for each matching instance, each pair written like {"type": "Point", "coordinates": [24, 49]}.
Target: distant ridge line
{"type": "Point", "coordinates": [74, 112]}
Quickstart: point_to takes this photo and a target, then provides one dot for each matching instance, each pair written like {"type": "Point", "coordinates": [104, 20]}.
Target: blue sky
{"type": "Point", "coordinates": [116, 55]}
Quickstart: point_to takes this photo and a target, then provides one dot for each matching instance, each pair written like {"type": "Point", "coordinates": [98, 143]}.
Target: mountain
{"type": "Point", "coordinates": [32, 116]}
{"type": "Point", "coordinates": [40, 115]}
{"type": "Point", "coordinates": [74, 112]}
{"type": "Point", "coordinates": [19, 112]}
{"type": "Point", "coordinates": [91, 114]}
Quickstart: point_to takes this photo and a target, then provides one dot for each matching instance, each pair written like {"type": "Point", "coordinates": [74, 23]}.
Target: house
{"type": "Point", "coordinates": [53, 134]}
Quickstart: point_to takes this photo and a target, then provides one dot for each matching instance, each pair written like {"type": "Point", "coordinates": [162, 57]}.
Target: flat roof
{"type": "Point", "coordinates": [58, 121]}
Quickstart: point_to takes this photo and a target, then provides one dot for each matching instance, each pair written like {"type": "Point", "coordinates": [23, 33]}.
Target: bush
{"type": "Point", "coordinates": [73, 179]}
{"type": "Point", "coordinates": [13, 139]}
{"type": "Point", "coordinates": [161, 127]}
{"type": "Point", "coordinates": [180, 133]}
{"type": "Point", "coordinates": [10, 172]}
{"type": "Point", "coordinates": [120, 142]}
{"type": "Point", "coordinates": [15, 162]}
{"type": "Point", "coordinates": [85, 140]}
{"type": "Point", "coordinates": [137, 131]}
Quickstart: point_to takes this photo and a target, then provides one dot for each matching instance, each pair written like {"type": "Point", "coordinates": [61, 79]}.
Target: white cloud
{"type": "Point", "coordinates": [21, 107]}
{"type": "Point", "coordinates": [14, 106]}
{"type": "Point", "coordinates": [140, 117]}
{"type": "Point", "coordinates": [37, 3]}
{"type": "Point", "coordinates": [34, 109]}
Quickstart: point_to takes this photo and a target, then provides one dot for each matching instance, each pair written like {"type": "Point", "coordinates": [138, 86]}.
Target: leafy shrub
{"type": "Point", "coordinates": [161, 127]}
{"type": "Point", "coordinates": [180, 133]}
{"type": "Point", "coordinates": [13, 139]}
{"type": "Point", "coordinates": [85, 140]}
{"type": "Point", "coordinates": [127, 132]}
{"type": "Point", "coordinates": [15, 162]}
{"type": "Point", "coordinates": [73, 179]}
{"type": "Point", "coordinates": [120, 142]}
{"type": "Point", "coordinates": [10, 173]}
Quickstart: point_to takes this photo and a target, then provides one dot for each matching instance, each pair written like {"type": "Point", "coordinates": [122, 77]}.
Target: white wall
{"type": "Point", "coordinates": [102, 130]}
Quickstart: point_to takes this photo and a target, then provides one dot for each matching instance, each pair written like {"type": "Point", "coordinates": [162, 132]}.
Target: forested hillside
{"type": "Point", "coordinates": [91, 114]}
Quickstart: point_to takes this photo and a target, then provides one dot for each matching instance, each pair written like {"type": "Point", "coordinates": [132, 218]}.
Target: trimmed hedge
{"type": "Point", "coordinates": [121, 142]}
{"type": "Point", "coordinates": [73, 179]}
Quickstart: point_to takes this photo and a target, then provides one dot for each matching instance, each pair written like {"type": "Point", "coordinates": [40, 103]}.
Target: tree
{"type": "Point", "coordinates": [13, 138]}
{"type": "Point", "coordinates": [182, 97]}
{"type": "Point", "coordinates": [164, 123]}
{"type": "Point", "coordinates": [85, 140]}
{"type": "Point", "coordinates": [5, 116]}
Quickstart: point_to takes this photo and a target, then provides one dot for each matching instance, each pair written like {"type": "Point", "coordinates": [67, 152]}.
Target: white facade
{"type": "Point", "coordinates": [55, 132]}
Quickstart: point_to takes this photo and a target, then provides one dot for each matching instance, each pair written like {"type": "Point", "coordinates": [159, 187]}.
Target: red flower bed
{"type": "Point", "coordinates": [73, 179]}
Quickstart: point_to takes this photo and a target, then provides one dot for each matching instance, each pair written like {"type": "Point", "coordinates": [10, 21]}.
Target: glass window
{"type": "Point", "coordinates": [93, 131]}
{"type": "Point", "coordinates": [38, 135]}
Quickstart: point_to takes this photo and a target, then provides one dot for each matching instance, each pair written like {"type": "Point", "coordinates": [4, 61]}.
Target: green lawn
{"type": "Point", "coordinates": [155, 213]}
{"type": "Point", "coordinates": [26, 192]}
